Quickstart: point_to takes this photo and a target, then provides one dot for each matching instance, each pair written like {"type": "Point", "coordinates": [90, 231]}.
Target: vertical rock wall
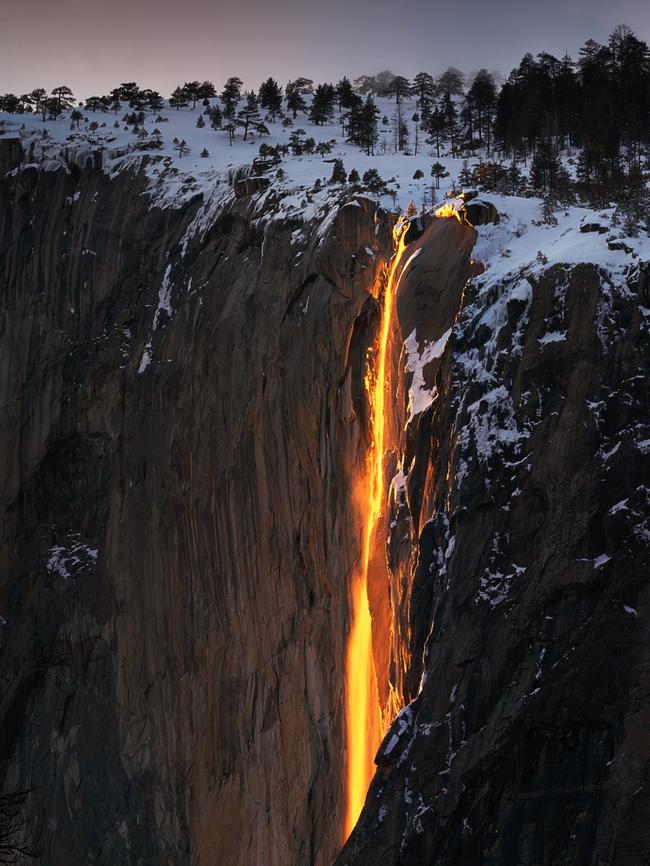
{"type": "Point", "coordinates": [527, 742]}
{"type": "Point", "coordinates": [178, 435]}
{"type": "Point", "coordinates": [183, 411]}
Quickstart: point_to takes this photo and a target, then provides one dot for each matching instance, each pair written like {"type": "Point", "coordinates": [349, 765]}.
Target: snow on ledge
{"type": "Point", "coordinates": [421, 397]}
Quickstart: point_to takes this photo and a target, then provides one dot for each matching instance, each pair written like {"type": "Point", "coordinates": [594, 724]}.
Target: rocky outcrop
{"type": "Point", "coordinates": [178, 431]}
{"type": "Point", "coordinates": [526, 741]}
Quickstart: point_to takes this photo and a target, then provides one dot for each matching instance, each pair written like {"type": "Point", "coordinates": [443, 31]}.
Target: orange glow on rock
{"type": "Point", "coordinates": [363, 714]}
{"type": "Point", "coordinates": [448, 210]}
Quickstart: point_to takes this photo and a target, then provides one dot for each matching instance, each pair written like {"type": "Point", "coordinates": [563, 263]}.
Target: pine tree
{"type": "Point", "coordinates": [416, 123]}
{"type": "Point", "coordinates": [373, 181]}
{"type": "Point", "coordinates": [49, 108]}
{"type": "Point", "coordinates": [451, 122]}
{"type": "Point", "coordinates": [549, 205]}
{"type": "Point", "coordinates": [515, 178]}
{"type": "Point", "coordinates": [400, 130]}
{"type": "Point", "coordinates": [544, 168]}
{"type": "Point", "coordinates": [129, 92]}
{"type": "Point", "coordinates": [200, 122]}
{"type": "Point", "coordinates": [230, 96]}
{"type": "Point", "coordinates": [64, 98]}
{"type": "Point", "coordinates": [25, 103]}
{"type": "Point", "coordinates": [424, 89]}
{"type": "Point", "coordinates": [322, 106]}
{"type": "Point", "coordinates": [182, 147]}
{"type": "Point", "coordinates": [438, 171]}
{"type": "Point", "coordinates": [436, 126]}
{"type": "Point", "coordinates": [451, 82]}
{"type": "Point", "coordinates": [214, 113]}
{"type": "Point", "coordinates": [339, 174]}
{"type": "Point", "coordinates": [249, 115]}
{"type": "Point", "coordinates": [349, 101]}
{"type": "Point", "coordinates": [45, 104]}
{"type": "Point", "coordinates": [295, 91]}
{"type": "Point", "coordinates": [10, 103]}
{"type": "Point", "coordinates": [465, 178]}
{"type": "Point", "coordinates": [230, 128]}
{"type": "Point", "coordinates": [142, 100]}
{"type": "Point", "coordinates": [38, 96]}
{"type": "Point", "coordinates": [634, 204]}
{"type": "Point", "coordinates": [345, 94]}
{"type": "Point", "coordinates": [481, 99]}
{"type": "Point", "coordinates": [270, 97]}
{"type": "Point", "coordinates": [297, 142]}
{"type": "Point", "coordinates": [400, 88]}
{"type": "Point", "coordinates": [178, 99]}
{"type": "Point", "coordinates": [362, 129]}
{"type": "Point", "coordinates": [155, 102]}
{"type": "Point", "coordinates": [115, 102]}
{"type": "Point", "coordinates": [192, 89]}
{"type": "Point", "coordinates": [206, 90]}
{"type": "Point", "coordinates": [295, 100]}
{"type": "Point", "coordinates": [353, 177]}
{"type": "Point", "coordinates": [564, 186]}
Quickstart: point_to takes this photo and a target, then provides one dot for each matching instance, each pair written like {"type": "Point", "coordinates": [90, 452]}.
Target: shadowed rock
{"type": "Point", "coordinates": [179, 431]}
{"type": "Point", "coordinates": [527, 743]}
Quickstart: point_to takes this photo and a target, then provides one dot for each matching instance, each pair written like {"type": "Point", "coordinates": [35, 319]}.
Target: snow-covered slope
{"type": "Point", "coordinates": [191, 173]}
{"type": "Point", "coordinates": [301, 183]}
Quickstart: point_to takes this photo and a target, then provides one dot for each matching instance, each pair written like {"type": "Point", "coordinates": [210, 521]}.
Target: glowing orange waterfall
{"type": "Point", "coordinates": [363, 721]}
{"type": "Point", "coordinates": [448, 210]}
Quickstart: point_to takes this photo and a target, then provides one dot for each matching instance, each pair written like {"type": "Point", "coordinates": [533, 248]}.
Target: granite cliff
{"type": "Point", "coordinates": [526, 738]}
{"type": "Point", "coordinates": [184, 413]}
{"type": "Point", "coordinates": [178, 431]}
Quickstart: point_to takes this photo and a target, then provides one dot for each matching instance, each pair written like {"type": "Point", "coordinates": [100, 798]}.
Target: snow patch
{"type": "Point", "coordinates": [67, 561]}
{"type": "Point", "coordinates": [421, 397]}
{"type": "Point", "coordinates": [552, 337]}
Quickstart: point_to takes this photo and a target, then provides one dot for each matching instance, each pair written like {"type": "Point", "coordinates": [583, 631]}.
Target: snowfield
{"type": "Point", "coordinates": [522, 239]}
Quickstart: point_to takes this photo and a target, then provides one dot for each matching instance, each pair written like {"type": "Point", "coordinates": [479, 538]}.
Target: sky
{"type": "Point", "coordinates": [93, 45]}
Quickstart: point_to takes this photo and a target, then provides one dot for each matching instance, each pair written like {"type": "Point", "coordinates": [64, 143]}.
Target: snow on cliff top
{"type": "Point", "coordinates": [521, 240]}
{"type": "Point", "coordinates": [201, 174]}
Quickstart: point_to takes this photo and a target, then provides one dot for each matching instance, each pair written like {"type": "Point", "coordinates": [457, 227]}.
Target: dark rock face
{"type": "Point", "coordinates": [178, 431]}
{"type": "Point", "coordinates": [528, 743]}
{"type": "Point", "coordinates": [480, 213]}
{"type": "Point", "coordinates": [183, 412]}
{"type": "Point", "coordinates": [251, 185]}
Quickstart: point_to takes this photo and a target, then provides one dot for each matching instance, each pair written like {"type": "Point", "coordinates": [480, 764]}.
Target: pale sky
{"type": "Point", "coordinates": [92, 46]}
